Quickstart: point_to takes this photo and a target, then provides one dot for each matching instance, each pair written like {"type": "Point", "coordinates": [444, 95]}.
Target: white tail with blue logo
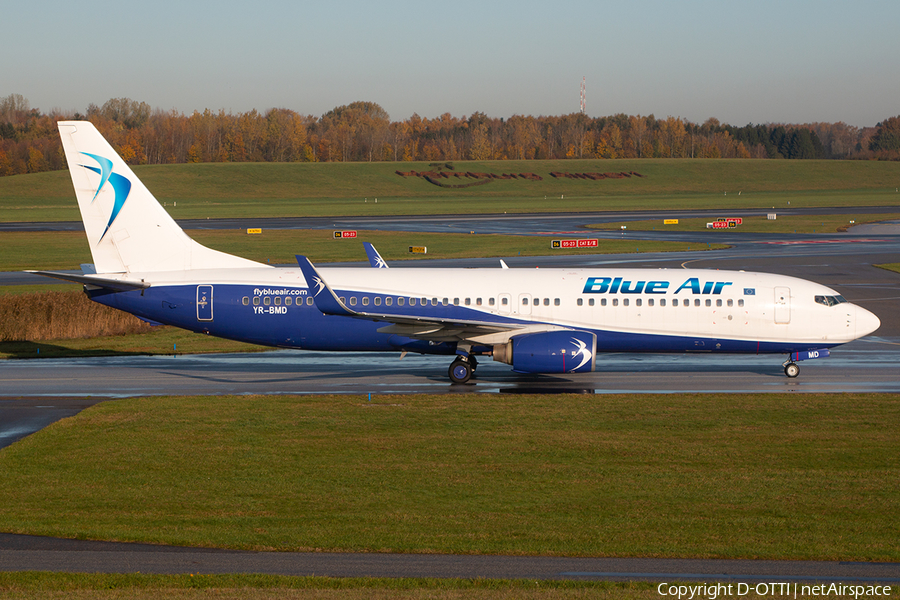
{"type": "Point", "coordinates": [127, 229]}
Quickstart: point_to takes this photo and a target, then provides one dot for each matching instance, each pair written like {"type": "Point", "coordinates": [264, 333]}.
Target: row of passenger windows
{"type": "Point", "coordinates": [504, 301]}
{"type": "Point", "coordinates": [662, 302]}
{"type": "Point", "coordinates": [267, 300]}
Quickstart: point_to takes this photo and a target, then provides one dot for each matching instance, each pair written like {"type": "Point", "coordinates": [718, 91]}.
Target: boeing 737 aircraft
{"type": "Point", "coordinates": [538, 321]}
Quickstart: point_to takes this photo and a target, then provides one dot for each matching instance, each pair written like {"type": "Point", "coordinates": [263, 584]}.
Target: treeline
{"type": "Point", "coordinates": [363, 131]}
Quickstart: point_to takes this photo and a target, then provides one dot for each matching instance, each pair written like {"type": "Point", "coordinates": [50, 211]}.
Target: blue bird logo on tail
{"type": "Point", "coordinates": [121, 185]}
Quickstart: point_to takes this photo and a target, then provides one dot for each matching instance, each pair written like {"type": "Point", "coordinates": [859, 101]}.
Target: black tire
{"type": "Point", "coordinates": [791, 370]}
{"type": "Point", "coordinates": [460, 371]}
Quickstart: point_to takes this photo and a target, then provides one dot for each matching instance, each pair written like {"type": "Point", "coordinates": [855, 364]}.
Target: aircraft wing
{"type": "Point", "coordinates": [419, 327]}
{"type": "Point", "coordinates": [96, 280]}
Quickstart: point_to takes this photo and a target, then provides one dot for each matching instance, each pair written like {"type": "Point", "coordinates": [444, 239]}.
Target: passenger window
{"type": "Point", "coordinates": [468, 301]}
{"type": "Point", "coordinates": [556, 302]}
{"type": "Point", "coordinates": [662, 301]}
{"type": "Point", "coordinates": [412, 301]}
{"type": "Point", "coordinates": [267, 301]}
{"type": "Point", "coordinates": [615, 301]}
{"type": "Point", "coordinates": [288, 301]}
{"type": "Point", "coordinates": [377, 300]}
{"type": "Point", "coordinates": [456, 302]}
{"type": "Point", "coordinates": [424, 302]}
{"type": "Point", "coordinates": [708, 302]}
{"type": "Point", "coordinates": [401, 301]}
{"type": "Point", "coordinates": [602, 302]}
{"type": "Point", "coordinates": [365, 300]}
{"type": "Point", "coordinates": [719, 302]}
{"type": "Point", "coordinates": [730, 302]}
{"type": "Point", "coordinates": [674, 301]}
{"type": "Point", "coordinates": [696, 301]}
{"type": "Point", "coordinates": [434, 301]}
{"type": "Point", "coordinates": [580, 302]}
{"type": "Point", "coordinates": [741, 302]}
{"type": "Point", "coordinates": [352, 300]}
{"type": "Point", "coordinates": [445, 301]}
{"type": "Point", "coordinates": [388, 301]}
{"type": "Point", "coordinates": [591, 301]}
{"type": "Point", "coordinates": [309, 301]}
{"type": "Point", "coordinates": [625, 302]}
{"type": "Point", "coordinates": [524, 301]}
{"type": "Point", "coordinates": [477, 301]}
{"type": "Point", "coordinates": [343, 300]}
{"type": "Point", "coordinates": [637, 302]}
{"type": "Point", "coordinates": [277, 300]}
{"type": "Point", "coordinates": [546, 301]}
{"type": "Point", "coordinates": [245, 301]}
{"type": "Point", "coordinates": [537, 301]}
{"type": "Point", "coordinates": [650, 302]}
{"type": "Point", "coordinates": [491, 301]}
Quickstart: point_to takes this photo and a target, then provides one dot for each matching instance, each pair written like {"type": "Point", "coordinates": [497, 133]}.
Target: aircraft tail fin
{"type": "Point", "coordinates": [127, 229]}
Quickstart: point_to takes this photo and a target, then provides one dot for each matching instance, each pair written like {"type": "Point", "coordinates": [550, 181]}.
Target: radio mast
{"type": "Point", "coordinates": [582, 96]}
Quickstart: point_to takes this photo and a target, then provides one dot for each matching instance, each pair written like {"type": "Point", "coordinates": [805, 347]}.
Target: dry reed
{"type": "Point", "coordinates": [61, 316]}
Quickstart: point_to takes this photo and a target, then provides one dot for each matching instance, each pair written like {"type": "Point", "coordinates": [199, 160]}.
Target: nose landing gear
{"type": "Point", "coordinates": [791, 369]}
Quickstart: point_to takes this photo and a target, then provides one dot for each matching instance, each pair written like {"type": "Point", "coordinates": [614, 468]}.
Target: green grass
{"type": "Point", "coordinates": [137, 586]}
{"type": "Point", "coordinates": [895, 267]}
{"type": "Point", "coordinates": [769, 476]}
{"type": "Point", "coordinates": [160, 340]}
{"type": "Point", "coordinates": [759, 224]}
{"type": "Point", "coordinates": [299, 189]}
{"type": "Point", "coordinates": [69, 249]}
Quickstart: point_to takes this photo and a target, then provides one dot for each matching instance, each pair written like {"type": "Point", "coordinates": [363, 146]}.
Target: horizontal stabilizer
{"type": "Point", "coordinates": [104, 282]}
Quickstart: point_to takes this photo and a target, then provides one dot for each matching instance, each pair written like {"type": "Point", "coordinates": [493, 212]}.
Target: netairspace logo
{"type": "Point", "coordinates": [772, 590]}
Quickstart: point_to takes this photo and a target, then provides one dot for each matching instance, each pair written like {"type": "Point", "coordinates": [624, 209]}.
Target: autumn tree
{"type": "Point", "coordinates": [887, 138]}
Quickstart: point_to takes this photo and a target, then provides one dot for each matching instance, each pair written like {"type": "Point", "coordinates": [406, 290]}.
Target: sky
{"type": "Point", "coordinates": [765, 61]}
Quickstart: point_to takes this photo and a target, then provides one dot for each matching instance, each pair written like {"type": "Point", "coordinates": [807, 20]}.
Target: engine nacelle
{"type": "Point", "coordinates": [549, 352]}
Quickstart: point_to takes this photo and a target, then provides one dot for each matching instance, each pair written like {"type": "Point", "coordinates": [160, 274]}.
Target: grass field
{"type": "Point", "coordinates": [138, 586]}
{"type": "Point", "coordinates": [754, 476]}
{"type": "Point", "coordinates": [317, 189]}
{"type": "Point", "coordinates": [69, 249]}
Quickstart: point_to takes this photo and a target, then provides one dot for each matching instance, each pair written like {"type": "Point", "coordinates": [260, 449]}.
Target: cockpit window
{"type": "Point", "coordinates": [830, 300]}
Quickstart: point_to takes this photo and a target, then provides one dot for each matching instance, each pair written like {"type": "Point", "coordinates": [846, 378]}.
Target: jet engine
{"type": "Point", "coordinates": [549, 352]}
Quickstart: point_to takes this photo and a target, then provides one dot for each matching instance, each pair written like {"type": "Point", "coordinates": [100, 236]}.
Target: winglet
{"type": "Point", "coordinates": [374, 258]}
{"type": "Point", "coordinates": [323, 296]}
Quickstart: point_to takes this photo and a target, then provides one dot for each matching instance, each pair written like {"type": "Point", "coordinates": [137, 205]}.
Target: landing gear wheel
{"type": "Point", "coordinates": [460, 371]}
{"type": "Point", "coordinates": [791, 370]}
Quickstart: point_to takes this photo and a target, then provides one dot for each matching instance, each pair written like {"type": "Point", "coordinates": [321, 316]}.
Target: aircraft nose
{"type": "Point", "coordinates": [866, 322]}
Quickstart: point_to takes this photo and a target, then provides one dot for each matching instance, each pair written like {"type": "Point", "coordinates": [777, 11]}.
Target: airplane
{"type": "Point", "coordinates": [535, 320]}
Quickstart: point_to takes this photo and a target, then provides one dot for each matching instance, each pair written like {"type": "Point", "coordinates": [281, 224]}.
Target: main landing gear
{"type": "Point", "coordinates": [462, 369]}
